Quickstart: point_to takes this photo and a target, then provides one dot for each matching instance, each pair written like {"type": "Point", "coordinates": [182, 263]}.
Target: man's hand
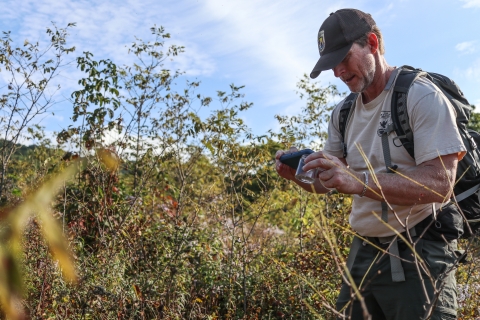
{"type": "Point", "coordinates": [336, 174]}
{"type": "Point", "coordinates": [283, 170]}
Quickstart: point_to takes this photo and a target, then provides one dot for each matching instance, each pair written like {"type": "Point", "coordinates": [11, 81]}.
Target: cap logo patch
{"type": "Point", "coordinates": [321, 41]}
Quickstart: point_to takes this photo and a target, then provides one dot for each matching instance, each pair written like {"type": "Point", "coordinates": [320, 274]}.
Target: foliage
{"type": "Point", "coordinates": [474, 122]}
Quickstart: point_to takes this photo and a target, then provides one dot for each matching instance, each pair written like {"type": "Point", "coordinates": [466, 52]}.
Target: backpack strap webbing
{"type": "Point", "coordinates": [398, 275]}
{"type": "Point", "coordinates": [399, 113]}
{"type": "Point", "coordinates": [345, 113]}
{"type": "Point", "coordinates": [388, 164]}
{"type": "Point", "coordinates": [400, 124]}
{"type": "Point", "coordinates": [464, 195]}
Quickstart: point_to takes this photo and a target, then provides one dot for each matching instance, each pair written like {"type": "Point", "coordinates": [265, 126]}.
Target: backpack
{"type": "Point", "coordinates": [466, 189]}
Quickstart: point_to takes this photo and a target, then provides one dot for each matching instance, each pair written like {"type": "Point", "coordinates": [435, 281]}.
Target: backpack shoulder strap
{"type": "Point", "coordinates": [344, 116]}
{"type": "Point", "coordinates": [400, 117]}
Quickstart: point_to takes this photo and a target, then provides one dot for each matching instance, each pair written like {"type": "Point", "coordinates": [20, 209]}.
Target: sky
{"type": "Point", "coordinates": [265, 45]}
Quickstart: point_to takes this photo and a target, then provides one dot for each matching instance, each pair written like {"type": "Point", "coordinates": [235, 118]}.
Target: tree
{"type": "Point", "coordinates": [474, 122]}
{"type": "Point", "coordinates": [30, 90]}
{"type": "Point", "coordinates": [308, 127]}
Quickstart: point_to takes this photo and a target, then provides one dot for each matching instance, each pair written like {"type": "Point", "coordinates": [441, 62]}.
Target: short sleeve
{"type": "Point", "coordinates": [433, 122]}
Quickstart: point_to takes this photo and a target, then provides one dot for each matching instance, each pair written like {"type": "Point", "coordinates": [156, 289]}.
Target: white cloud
{"type": "Point", "coordinates": [104, 28]}
{"type": "Point", "coordinates": [466, 47]}
{"type": "Point", "coordinates": [473, 72]}
{"type": "Point", "coordinates": [471, 3]}
{"type": "Point", "coordinates": [269, 46]}
{"type": "Point", "coordinates": [265, 33]}
{"type": "Point", "coordinates": [194, 61]}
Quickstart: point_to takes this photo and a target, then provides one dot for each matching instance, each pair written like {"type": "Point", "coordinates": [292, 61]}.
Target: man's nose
{"type": "Point", "coordinates": [338, 70]}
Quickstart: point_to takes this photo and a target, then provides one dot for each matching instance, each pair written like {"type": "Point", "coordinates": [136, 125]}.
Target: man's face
{"type": "Point", "coordinates": [357, 69]}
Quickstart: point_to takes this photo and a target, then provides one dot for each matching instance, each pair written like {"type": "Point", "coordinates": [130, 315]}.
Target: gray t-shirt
{"type": "Point", "coordinates": [432, 119]}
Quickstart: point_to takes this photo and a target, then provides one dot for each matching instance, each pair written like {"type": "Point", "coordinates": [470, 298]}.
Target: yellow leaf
{"type": "Point", "coordinates": [10, 287]}
{"type": "Point", "coordinates": [109, 159]}
{"type": "Point", "coordinates": [58, 245]}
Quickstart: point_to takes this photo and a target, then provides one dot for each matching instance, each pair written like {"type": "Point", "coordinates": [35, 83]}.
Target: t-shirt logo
{"type": "Point", "coordinates": [385, 121]}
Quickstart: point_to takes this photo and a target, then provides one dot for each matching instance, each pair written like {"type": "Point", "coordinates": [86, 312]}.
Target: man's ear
{"type": "Point", "coordinates": [373, 42]}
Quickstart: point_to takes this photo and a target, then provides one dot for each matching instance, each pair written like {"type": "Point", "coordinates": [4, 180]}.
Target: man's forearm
{"type": "Point", "coordinates": [430, 184]}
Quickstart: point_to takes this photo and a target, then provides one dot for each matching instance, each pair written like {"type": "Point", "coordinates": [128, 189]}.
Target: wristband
{"type": "Point", "coordinates": [365, 185]}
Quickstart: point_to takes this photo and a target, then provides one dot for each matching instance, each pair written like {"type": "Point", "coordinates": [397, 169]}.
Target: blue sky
{"type": "Point", "coordinates": [266, 45]}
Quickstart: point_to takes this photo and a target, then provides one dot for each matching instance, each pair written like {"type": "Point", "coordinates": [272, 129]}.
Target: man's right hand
{"type": "Point", "coordinates": [283, 170]}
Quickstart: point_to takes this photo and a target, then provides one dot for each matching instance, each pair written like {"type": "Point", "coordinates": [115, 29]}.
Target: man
{"type": "Point", "coordinates": [393, 285]}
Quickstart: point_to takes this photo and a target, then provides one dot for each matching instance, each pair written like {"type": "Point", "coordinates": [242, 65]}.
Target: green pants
{"type": "Point", "coordinates": [405, 300]}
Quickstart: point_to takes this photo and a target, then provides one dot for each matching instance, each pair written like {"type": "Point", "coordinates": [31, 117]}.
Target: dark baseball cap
{"type": "Point", "coordinates": [337, 35]}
